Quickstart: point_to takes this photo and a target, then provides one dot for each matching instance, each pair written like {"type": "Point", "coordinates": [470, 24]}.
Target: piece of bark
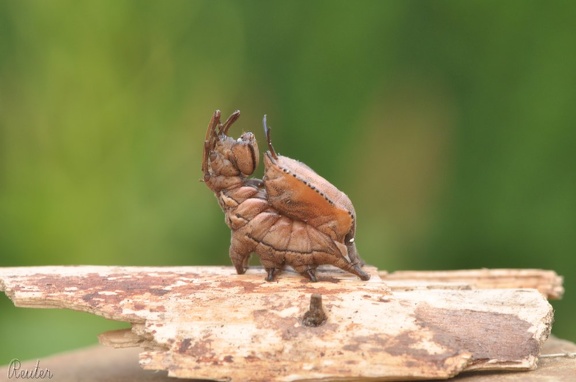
{"type": "Point", "coordinates": [547, 282]}
{"type": "Point", "coordinates": [208, 322]}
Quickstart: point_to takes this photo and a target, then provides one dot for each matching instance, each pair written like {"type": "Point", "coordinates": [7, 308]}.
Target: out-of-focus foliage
{"type": "Point", "coordinates": [450, 125]}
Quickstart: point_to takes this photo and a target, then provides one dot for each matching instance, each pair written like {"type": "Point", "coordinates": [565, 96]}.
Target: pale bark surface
{"type": "Point", "coordinates": [547, 282]}
{"type": "Point", "coordinates": [208, 322]}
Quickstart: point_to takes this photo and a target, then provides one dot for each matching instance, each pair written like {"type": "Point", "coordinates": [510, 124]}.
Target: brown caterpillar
{"type": "Point", "coordinates": [292, 217]}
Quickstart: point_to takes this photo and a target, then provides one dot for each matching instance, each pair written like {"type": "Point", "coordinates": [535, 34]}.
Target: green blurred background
{"type": "Point", "coordinates": [450, 125]}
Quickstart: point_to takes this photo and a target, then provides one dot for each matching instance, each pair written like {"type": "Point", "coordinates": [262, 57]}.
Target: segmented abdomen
{"type": "Point", "coordinates": [277, 239]}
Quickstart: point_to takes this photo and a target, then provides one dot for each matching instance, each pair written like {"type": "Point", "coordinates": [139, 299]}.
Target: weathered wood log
{"type": "Point", "coordinates": [208, 322]}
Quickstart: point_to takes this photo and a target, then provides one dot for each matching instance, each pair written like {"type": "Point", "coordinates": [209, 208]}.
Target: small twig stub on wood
{"type": "Point", "coordinates": [316, 315]}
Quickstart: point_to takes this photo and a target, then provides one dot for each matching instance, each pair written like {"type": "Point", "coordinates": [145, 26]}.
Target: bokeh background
{"type": "Point", "coordinates": [450, 125]}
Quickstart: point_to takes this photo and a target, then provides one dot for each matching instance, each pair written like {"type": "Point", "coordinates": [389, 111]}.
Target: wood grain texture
{"type": "Point", "coordinates": [547, 282]}
{"type": "Point", "coordinates": [208, 322]}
